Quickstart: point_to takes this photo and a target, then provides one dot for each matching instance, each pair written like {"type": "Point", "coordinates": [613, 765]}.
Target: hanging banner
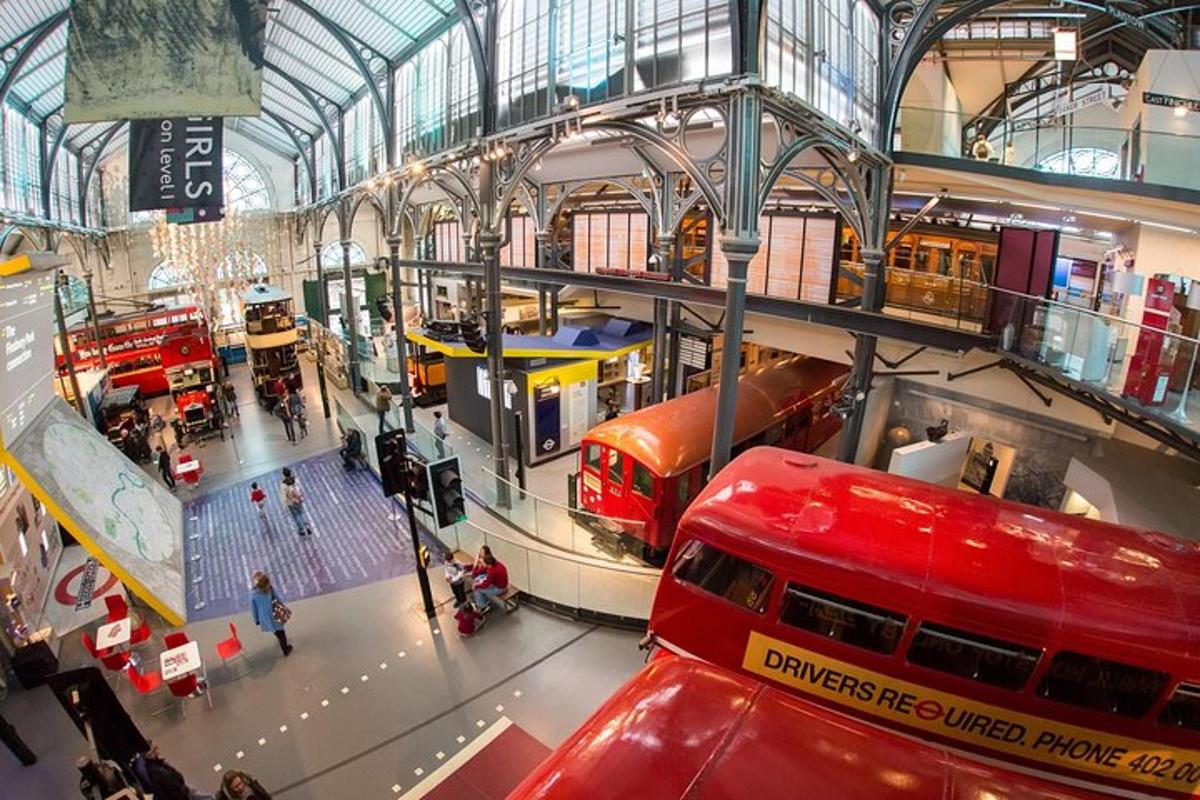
{"type": "Point", "coordinates": [145, 59]}
{"type": "Point", "coordinates": [176, 164]}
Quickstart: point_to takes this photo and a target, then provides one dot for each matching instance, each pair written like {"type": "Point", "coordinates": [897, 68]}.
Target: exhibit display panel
{"type": "Point", "coordinates": [27, 333]}
{"type": "Point", "coordinates": [129, 522]}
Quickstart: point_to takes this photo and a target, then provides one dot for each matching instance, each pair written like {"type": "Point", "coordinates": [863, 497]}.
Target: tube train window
{"type": "Point", "coordinates": [1102, 685]}
{"type": "Point", "coordinates": [643, 480]}
{"type": "Point", "coordinates": [1183, 709]}
{"type": "Point", "coordinates": [616, 466]}
{"type": "Point", "coordinates": [848, 621]}
{"type": "Point", "coordinates": [969, 655]}
{"type": "Point", "coordinates": [593, 457]}
{"type": "Point", "coordinates": [719, 573]}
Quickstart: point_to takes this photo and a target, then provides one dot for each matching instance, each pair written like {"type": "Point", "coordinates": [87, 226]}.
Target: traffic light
{"type": "Point", "coordinates": [391, 448]}
{"type": "Point", "coordinates": [471, 335]}
{"type": "Point", "coordinates": [446, 492]}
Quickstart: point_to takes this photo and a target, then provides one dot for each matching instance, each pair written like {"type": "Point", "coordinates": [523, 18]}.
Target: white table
{"type": "Point", "coordinates": [179, 662]}
{"type": "Point", "coordinates": [185, 467]}
{"type": "Point", "coordinates": [114, 634]}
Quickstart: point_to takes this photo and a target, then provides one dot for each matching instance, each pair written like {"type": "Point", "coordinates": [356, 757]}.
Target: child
{"type": "Point", "coordinates": [456, 574]}
{"type": "Point", "coordinates": [469, 620]}
{"type": "Point", "coordinates": [259, 498]}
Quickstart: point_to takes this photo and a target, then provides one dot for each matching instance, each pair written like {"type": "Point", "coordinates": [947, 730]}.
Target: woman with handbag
{"type": "Point", "coordinates": [270, 613]}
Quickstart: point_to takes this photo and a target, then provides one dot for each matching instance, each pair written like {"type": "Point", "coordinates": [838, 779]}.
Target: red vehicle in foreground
{"type": "Point", "coordinates": [1056, 642]}
{"type": "Point", "coordinates": [685, 729]}
{"type": "Point", "coordinates": [646, 467]}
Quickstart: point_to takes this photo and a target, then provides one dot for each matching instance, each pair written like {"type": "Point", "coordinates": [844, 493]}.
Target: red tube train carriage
{"type": "Point", "coordinates": [1058, 643]}
{"type": "Point", "coordinates": [685, 729]}
{"type": "Point", "coordinates": [644, 468]}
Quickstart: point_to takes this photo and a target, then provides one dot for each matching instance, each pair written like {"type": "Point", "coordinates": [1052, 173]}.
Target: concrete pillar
{"type": "Point", "coordinates": [393, 243]}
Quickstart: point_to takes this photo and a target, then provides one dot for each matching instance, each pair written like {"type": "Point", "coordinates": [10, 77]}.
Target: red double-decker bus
{"type": "Point", "coordinates": [133, 346]}
{"type": "Point", "coordinates": [1055, 642]}
{"type": "Point", "coordinates": [686, 730]}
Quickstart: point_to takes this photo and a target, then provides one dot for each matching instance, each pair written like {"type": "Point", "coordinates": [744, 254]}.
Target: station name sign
{"type": "Point", "coordinates": [175, 163]}
{"type": "Point", "coordinates": [1170, 101]}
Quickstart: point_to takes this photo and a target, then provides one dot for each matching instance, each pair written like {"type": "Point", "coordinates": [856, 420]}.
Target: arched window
{"type": "Point", "coordinates": [167, 276]}
{"type": "Point", "coordinates": [331, 255]}
{"type": "Point", "coordinates": [245, 189]}
{"type": "Point", "coordinates": [1093, 162]}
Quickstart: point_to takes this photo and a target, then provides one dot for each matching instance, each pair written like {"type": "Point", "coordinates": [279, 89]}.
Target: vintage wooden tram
{"type": "Point", "coordinates": [271, 339]}
{"type": "Point", "coordinates": [644, 468]}
{"type": "Point", "coordinates": [1054, 642]}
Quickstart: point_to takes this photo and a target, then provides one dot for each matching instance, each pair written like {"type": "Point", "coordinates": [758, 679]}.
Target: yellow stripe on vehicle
{"type": "Point", "coordinates": [1056, 744]}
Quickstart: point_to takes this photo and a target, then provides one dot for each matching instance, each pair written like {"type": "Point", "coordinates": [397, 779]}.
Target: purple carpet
{"type": "Point", "coordinates": [355, 541]}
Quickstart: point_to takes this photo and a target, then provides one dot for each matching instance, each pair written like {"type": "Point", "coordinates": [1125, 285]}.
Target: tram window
{"type": "Point", "coordinates": [683, 489]}
{"type": "Point", "coordinates": [774, 434]}
{"type": "Point", "coordinates": [592, 458]}
{"type": "Point", "coordinates": [856, 624]}
{"type": "Point", "coordinates": [719, 573]}
{"type": "Point", "coordinates": [969, 655]}
{"type": "Point", "coordinates": [1102, 685]}
{"type": "Point", "coordinates": [643, 480]}
{"type": "Point", "coordinates": [1183, 709]}
{"type": "Point", "coordinates": [616, 466]}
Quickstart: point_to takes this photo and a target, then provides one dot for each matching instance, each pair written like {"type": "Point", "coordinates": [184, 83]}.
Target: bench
{"type": "Point", "coordinates": [509, 599]}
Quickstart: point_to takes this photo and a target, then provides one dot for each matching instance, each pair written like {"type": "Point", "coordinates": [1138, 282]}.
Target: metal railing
{"type": "Point", "coordinates": [1053, 145]}
{"type": "Point", "coordinates": [1154, 369]}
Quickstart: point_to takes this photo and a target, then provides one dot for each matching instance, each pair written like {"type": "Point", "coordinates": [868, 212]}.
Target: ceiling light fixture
{"type": "Point", "coordinates": [1066, 44]}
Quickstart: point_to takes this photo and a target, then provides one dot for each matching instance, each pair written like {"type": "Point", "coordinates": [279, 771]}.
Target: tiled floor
{"type": "Point", "coordinates": [374, 695]}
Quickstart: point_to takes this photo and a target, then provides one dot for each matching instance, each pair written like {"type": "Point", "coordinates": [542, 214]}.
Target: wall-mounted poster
{"type": "Point", "coordinates": [176, 163]}
{"type": "Point", "coordinates": [146, 59]}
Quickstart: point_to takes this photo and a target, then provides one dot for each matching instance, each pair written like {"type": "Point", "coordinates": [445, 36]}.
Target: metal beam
{"type": "Point", "coordinates": [339, 34]}
{"type": "Point", "coordinates": [13, 75]}
{"type": "Point", "coordinates": [873, 324]}
{"type": "Point", "coordinates": [291, 134]}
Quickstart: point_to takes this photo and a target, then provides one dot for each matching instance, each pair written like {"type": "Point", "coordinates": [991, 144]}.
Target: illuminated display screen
{"type": "Point", "coordinates": [27, 339]}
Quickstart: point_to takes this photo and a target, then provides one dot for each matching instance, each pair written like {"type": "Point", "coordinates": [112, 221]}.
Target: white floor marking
{"type": "Point", "coordinates": [455, 762]}
{"type": "Point", "coordinates": [517, 693]}
{"type": "Point", "coordinates": [401, 654]}
{"type": "Point", "coordinates": [304, 715]}
{"type": "Point", "coordinates": [437, 631]}
{"type": "Point", "coordinates": [240, 754]}
{"type": "Point", "coordinates": [383, 665]}
{"type": "Point", "coordinates": [461, 739]}
{"type": "Point", "coordinates": [261, 742]}
{"type": "Point", "coordinates": [419, 643]}
{"type": "Point", "coordinates": [499, 709]}
{"type": "Point", "coordinates": [480, 724]}
{"type": "Point", "coordinates": [324, 703]}
{"type": "Point", "coordinates": [439, 755]}
{"type": "Point", "coordinates": [419, 771]}
{"type": "Point", "coordinates": [216, 767]}
{"type": "Point", "coordinates": [345, 690]}
{"type": "Point", "coordinates": [283, 728]}
{"type": "Point", "coordinates": [395, 788]}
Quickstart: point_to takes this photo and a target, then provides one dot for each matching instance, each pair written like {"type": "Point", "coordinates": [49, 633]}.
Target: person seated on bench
{"type": "Point", "coordinates": [489, 578]}
{"type": "Point", "coordinates": [456, 576]}
{"type": "Point", "coordinates": [351, 450]}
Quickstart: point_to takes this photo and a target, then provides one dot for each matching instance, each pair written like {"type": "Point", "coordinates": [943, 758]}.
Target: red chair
{"type": "Point", "coordinates": [89, 644]}
{"type": "Point", "coordinates": [148, 684]}
{"type": "Point", "coordinates": [175, 639]}
{"type": "Point", "coordinates": [140, 635]}
{"type": "Point", "coordinates": [232, 648]}
{"type": "Point", "coordinates": [185, 689]}
{"type": "Point", "coordinates": [118, 609]}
